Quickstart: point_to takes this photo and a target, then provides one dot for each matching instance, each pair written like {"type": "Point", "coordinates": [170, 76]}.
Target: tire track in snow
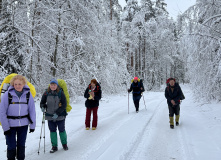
{"type": "Point", "coordinates": [136, 143]}
{"type": "Point", "coordinates": [118, 133]}
{"type": "Point", "coordinates": [117, 138]}
{"type": "Point", "coordinates": [157, 141]}
{"type": "Point", "coordinates": [187, 148]}
{"type": "Point", "coordinates": [83, 144]}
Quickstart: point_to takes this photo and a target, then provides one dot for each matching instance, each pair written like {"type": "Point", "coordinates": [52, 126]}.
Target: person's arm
{"type": "Point", "coordinates": [63, 104]}
{"type": "Point", "coordinates": [177, 98]}
{"type": "Point", "coordinates": [3, 112]}
{"type": "Point", "coordinates": [142, 88]}
{"type": "Point", "coordinates": [86, 94]}
{"type": "Point", "coordinates": [43, 100]}
{"type": "Point", "coordinates": [97, 95]}
{"type": "Point", "coordinates": [167, 95]}
{"type": "Point", "coordinates": [32, 112]}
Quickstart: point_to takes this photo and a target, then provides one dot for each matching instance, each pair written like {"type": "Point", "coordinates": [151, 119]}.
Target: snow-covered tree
{"type": "Point", "coordinates": [151, 44]}
{"type": "Point", "coordinates": [73, 40]}
{"type": "Point", "coordinates": [11, 58]}
{"type": "Point", "coordinates": [201, 44]}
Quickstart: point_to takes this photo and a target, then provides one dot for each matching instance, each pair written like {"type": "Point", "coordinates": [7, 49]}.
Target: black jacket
{"type": "Point", "coordinates": [97, 96]}
{"type": "Point", "coordinates": [136, 87]}
{"type": "Point", "coordinates": [175, 95]}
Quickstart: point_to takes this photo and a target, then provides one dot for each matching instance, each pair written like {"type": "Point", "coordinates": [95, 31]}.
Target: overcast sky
{"type": "Point", "coordinates": [173, 6]}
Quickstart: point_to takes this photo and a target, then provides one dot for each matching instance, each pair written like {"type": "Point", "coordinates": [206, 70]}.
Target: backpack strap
{"type": "Point", "coordinates": [59, 93]}
{"type": "Point", "coordinates": [28, 97]}
{"type": "Point", "coordinates": [10, 99]}
{"type": "Point", "coordinates": [138, 84]}
{"type": "Point", "coordinates": [19, 117]}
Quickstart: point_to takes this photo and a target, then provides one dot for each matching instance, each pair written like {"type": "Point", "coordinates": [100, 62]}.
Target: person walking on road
{"type": "Point", "coordinates": [53, 103]}
{"type": "Point", "coordinates": [17, 112]}
{"type": "Point", "coordinates": [137, 88]}
{"type": "Point", "coordinates": [173, 96]}
{"type": "Point", "coordinates": [92, 95]}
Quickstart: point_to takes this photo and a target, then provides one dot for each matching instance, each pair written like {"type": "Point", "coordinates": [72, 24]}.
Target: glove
{"type": "Point", "coordinates": [128, 90]}
{"type": "Point", "coordinates": [55, 116]}
{"type": "Point", "coordinates": [31, 130]}
{"type": "Point", "coordinates": [43, 109]}
{"type": "Point", "coordinates": [7, 132]}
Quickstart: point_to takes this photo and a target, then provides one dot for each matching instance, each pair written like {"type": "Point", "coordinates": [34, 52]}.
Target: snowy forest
{"type": "Point", "coordinates": [77, 40]}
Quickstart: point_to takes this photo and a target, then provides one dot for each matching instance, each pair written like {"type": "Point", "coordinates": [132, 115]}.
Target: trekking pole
{"type": "Point", "coordinates": [42, 125]}
{"type": "Point", "coordinates": [144, 103]}
{"type": "Point", "coordinates": [44, 130]}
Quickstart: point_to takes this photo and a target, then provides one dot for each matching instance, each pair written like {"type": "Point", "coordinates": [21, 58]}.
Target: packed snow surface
{"type": "Point", "coordinates": [135, 136]}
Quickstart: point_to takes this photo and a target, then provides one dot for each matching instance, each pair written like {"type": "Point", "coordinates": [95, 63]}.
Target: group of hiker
{"type": "Point", "coordinates": [17, 110]}
{"type": "Point", "coordinates": [173, 94]}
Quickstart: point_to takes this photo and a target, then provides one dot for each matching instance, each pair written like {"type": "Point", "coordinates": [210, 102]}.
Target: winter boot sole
{"type": "Point", "coordinates": [54, 149]}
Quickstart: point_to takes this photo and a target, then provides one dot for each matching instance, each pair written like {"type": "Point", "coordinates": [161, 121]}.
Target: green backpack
{"type": "Point", "coordinates": [63, 85]}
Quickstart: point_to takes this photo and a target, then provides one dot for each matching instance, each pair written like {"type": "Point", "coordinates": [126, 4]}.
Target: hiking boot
{"type": "Point", "coordinates": [65, 147]}
{"type": "Point", "coordinates": [172, 126]}
{"type": "Point", "coordinates": [93, 128]}
{"type": "Point", "coordinates": [177, 123]}
{"type": "Point", "coordinates": [87, 128]}
{"type": "Point", "coordinates": [53, 149]}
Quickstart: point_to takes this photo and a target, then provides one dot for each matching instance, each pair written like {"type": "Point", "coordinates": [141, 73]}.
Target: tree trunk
{"type": "Point", "coordinates": [111, 10]}
{"type": "Point", "coordinates": [54, 59]}
{"type": "Point", "coordinates": [0, 6]}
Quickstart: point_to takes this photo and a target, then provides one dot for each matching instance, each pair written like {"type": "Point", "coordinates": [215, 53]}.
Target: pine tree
{"type": "Point", "coordinates": [147, 9]}
{"type": "Point", "coordinates": [160, 7]}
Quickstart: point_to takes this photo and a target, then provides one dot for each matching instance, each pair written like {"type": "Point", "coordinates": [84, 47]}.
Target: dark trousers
{"type": "Point", "coordinates": [21, 133]}
{"type": "Point", "coordinates": [136, 99]}
{"type": "Point", "coordinates": [174, 110]}
{"type": "Point", "coordinates": [53, 125]}
{"type": "Point", "coordinates": [88, 117]}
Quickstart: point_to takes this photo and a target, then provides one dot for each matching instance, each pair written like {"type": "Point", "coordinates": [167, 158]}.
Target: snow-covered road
{"type": "Point", "coordinates": [135, 136]}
